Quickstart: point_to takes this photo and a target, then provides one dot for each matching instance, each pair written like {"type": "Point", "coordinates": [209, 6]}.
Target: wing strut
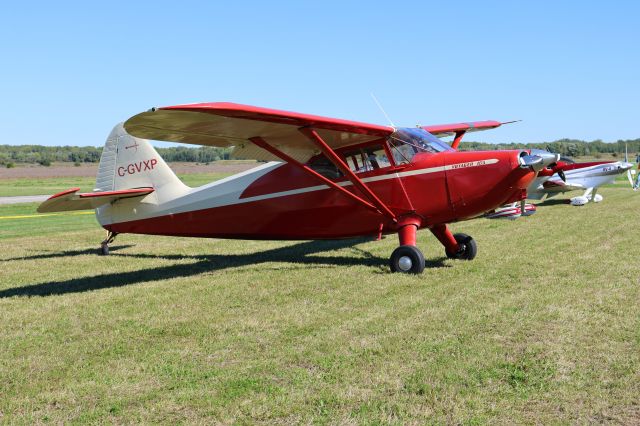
{"type": "Point", "coordinates": [314, 137]}
{"type": "Point", "coordinates": [264, 145]}
{"type": "Point", "coordinates": [458, 139]}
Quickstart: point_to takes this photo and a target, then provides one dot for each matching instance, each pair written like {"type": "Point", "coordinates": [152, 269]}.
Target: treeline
{"type": "Point", "coordinates": [45, 155]}
{"type": "Point", "coordinates": [565, 147]}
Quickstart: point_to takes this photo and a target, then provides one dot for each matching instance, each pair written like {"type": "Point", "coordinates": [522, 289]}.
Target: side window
{"type": "Point", "coordinates": [377, 157]}
{"type": "Point", "coordinates": [322, 165]}
{"type": "Point", "coordinates": [402, 152]}
{"type": "Point", "coordinates": [367, 159]}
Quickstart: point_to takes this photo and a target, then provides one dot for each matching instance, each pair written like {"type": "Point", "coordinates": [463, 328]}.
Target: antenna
{"type": "Point", "coordinates": [382, 109]}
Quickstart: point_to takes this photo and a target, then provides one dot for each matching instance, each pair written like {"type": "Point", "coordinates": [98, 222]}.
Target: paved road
{"type": "Point", "coordinates": [24, 199]}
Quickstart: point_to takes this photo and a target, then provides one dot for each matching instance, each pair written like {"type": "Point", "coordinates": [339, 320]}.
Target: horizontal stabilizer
{"type": "Point", "coordinates": [70, 199]}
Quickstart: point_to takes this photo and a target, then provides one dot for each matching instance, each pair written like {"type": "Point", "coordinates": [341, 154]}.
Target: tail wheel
{"type": "Point", "coordinates": [468, 248]}
{"type": "Point", "coordinates": [407, 259]}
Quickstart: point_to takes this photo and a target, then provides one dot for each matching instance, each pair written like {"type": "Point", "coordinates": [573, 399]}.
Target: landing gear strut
{"type": "Point", "coordinates": [456, 246]}
{"type": "Point", "coordinates": [104, 245]}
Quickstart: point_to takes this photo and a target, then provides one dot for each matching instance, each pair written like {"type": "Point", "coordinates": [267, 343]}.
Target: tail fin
{"type": "Point", "coordinates": [128, 162]}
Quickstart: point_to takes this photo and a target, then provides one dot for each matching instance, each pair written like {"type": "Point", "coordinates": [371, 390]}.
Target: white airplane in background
{"type": "Point", "coordinates": [567, 175]}
{"type": "Point", "coordinates": [564, 176]}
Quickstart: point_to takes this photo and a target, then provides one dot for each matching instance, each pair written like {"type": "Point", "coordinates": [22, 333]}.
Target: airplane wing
{"type": "Point", "coordinates": [70, 200]}
{"type": "Point", "coordinates": [557, 185]}
{"type": "Point", "coordinates": [227, 124]}
{"type": "Point", "coordinates": [443, 130]}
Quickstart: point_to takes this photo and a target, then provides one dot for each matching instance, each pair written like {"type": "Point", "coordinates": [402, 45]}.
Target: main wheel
{"type": "Point", "coordinates": [407, 259]}
{"type": "Point", "coordinates": [468, 248]}
{"type": "Point", "coordinates": [104, 249]}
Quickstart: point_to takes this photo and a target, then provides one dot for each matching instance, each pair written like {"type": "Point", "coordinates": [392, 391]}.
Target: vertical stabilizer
{"type": "Point", "coordinates": [128, 162]}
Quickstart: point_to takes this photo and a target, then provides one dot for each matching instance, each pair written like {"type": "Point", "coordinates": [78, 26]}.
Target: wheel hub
{"type": "Point", "coordinates": [405, 263]}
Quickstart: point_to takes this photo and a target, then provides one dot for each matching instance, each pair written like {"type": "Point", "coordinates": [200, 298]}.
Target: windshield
{"type": "Point", "coordinates": [407, 142]}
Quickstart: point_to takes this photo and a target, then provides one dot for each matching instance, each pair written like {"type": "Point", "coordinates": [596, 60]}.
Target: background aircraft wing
{"type": "Point", "coordinates": [443, 130]}
{"type": "Point", "coordinates": [557, 185]}
{"type": "Point", "coordinates": [228, 124]}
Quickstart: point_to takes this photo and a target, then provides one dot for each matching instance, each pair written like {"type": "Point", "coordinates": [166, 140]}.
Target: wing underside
{"type": "Point", "coordinates": [226, 125]}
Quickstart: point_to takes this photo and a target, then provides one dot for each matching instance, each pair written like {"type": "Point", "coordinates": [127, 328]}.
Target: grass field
{"type": "Point", "coordinates": [542, 327]}
{"type": "Point", "coordinates": [48, 186]}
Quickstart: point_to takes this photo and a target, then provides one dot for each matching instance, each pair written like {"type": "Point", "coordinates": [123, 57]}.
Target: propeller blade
{"type": "Point", "coordinates": [630, 177]}
{"type": "Point", "coordinates": [562, 176]}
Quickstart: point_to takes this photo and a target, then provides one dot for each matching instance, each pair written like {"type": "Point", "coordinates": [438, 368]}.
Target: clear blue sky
{"type": "Point", "coordinates": [70, 71]}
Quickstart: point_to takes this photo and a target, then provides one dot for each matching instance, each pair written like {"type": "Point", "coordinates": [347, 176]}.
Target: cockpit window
{"type": "Point", "coordinates": [567, 160]}
{"type": "Point", "coordinates": [407, 142]}
{"type": "Point", "coordinates": [367, 159]}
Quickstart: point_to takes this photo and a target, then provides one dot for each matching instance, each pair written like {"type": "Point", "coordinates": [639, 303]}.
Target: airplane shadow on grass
{"type": "Point", "coordinates": [301, 253]}
{"type": "Point", "coordinates": [554, 202]}
{"type": "Point", "coordinates": [67, 253]}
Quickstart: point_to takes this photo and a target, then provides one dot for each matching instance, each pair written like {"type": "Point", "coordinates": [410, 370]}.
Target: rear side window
{"type": "Point", "coordinates": [326, 168]}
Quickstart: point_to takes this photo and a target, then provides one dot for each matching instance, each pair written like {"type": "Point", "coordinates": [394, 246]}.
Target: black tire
{"type": "Point", "coordinates": [469, 248]}
{"type": "Point", "coordinates": [104, 249]}
{"type": "Point", "coordinates": [407, 259]}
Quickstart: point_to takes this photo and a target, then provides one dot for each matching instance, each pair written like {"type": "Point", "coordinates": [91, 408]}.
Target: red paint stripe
{"type": "Point", "coordinates": [63, 193]}
{"type": "Point", "coordinates": [136, 191]}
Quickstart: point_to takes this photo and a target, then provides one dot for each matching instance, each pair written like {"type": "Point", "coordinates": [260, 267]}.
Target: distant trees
{"type": "Point", "coordinates": [11, 154]}
{"type": "Point", "coordinates": [567, 147]}
{"type": "Point", "coordinates": [46, 155]}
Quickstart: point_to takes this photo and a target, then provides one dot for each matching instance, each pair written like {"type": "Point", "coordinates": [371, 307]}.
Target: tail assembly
{"type": "Point", "coordinates": [129, 168]}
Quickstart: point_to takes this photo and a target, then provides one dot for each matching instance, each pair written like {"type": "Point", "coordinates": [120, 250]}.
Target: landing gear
{"type": "Point", "coordinates": [467, 248]}
{"type": "Point", "coordinates": [407, 259]}
{"type": "Point", "coordinates": [104, 245]}
{"type": "Point", "coordinates": [458, 246]}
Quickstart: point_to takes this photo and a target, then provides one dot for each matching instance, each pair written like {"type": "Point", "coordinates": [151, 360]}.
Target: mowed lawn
{"type": "Point", "coordinates": [542, 327]}
{"type": "Point", "coordinates": [48, 186]}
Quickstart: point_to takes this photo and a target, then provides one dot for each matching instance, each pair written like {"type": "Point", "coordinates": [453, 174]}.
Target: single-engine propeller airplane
{"type": "Point", "coordinates": [332, 178]}
{"type": "Point", "coordinates": [567, 175]}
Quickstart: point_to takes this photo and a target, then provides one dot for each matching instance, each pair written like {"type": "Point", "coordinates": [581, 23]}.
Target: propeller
{"type": "Point", "coordinates": [557, 167]}
{"type": "Point", "coordinates": [537, 159]}
{"type": "Point", "coordinates": [562, 176]}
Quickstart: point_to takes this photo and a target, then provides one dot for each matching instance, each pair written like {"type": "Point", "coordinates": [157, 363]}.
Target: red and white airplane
{"type": "Point", "coordinates": [332, 179]}
{"type": "Point", "coordinates": [567, 175]}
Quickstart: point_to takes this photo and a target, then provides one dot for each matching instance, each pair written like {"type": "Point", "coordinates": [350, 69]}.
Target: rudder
{"type": "Point", "coordinates": [128, 162]}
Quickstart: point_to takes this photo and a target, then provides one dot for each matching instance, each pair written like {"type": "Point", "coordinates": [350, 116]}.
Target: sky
{"type": "Point", "coordinates": [70, 71]}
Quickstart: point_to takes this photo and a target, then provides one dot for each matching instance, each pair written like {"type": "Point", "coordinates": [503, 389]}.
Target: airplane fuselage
{"type": "Point", "coordinates": [280, 201]}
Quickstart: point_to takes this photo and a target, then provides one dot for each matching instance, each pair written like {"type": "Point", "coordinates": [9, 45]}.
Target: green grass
{"type": "Point", "coordinates": [22, 220]}
{"type": "Point", "coordinates": [48, 186]}
{"type": "Point", "coordinates": [44, 186]}
{"type": "Point", "coordinates": [542, 327]}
